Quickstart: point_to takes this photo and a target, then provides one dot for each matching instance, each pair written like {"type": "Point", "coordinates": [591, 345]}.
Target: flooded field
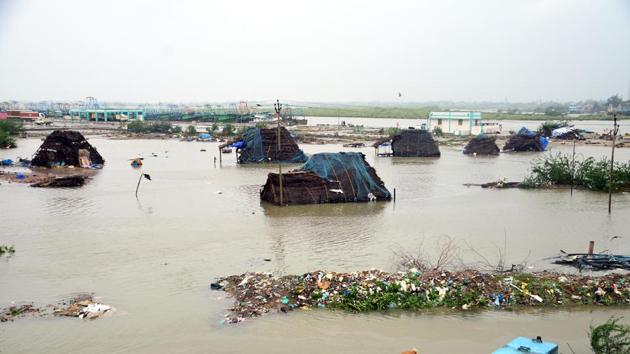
{"type": "Point", "coordinates": [153, 258]}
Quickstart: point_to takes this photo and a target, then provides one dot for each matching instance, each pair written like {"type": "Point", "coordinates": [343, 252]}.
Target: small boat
{"type": "Point", "coordinates": [226, 150]}
{"type": "Point", "coordinates": [521, 345]}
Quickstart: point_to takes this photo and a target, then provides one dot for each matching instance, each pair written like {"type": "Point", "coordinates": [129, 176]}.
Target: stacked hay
{"type": "Point", "coordinates": [415, 143]}
{"type": "Point", "coordinates": [526, 140]}
{"type": "Point", "coordinates": [482, 144]}
{"type": "Point", "coordinates": [327, 178]}
{"type": "Point", "coordinates": [261, 145]}
{"type": "Point", "coordinates": [66, 148]}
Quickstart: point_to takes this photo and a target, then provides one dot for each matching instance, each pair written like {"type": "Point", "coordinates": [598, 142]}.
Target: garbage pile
{"type": "Point", "coordinates": [598, 261]}
{"type": "Point", "coordinates": [67, 148]}
{"type": "Point", "coordinates": [526, 140]}
{"type": "Point", "coordinates": [415, 143]}
{"type": "Point", "coordinates": [327, 178]}
{"type": "Point", "coordinates": [258, 145]}
{"type": "Point", "coordinates": [256, 294]}
{"type": "Point", "coordinates": [82, 305]}
{"type": "Point", "coordinates": [482, 144]}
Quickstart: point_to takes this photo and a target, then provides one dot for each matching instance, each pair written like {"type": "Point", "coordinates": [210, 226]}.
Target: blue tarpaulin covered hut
{"type": "Point", "coordinates": [327, 178]}
{"type": "Point", "coordinates": [259, 145]}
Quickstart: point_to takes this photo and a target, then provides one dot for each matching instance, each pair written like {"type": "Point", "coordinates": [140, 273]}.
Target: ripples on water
{"type": "Point", "coordinates": [153, 257]}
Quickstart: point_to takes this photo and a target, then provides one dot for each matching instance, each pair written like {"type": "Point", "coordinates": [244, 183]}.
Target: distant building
{"type": "Point", "coordinates": [24, 115]}
{"type": "Point", "coordinates": [107, 114]}
{"type": "Point", "coordinates": [458, 123]}
{"type": "Point", "coordinates": [3, 115]}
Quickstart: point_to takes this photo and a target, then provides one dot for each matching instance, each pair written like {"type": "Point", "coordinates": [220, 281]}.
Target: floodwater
{"type": "Point", "coordinates": [153, 258]}
{"type": "Point", "coordinates": [507, 125]}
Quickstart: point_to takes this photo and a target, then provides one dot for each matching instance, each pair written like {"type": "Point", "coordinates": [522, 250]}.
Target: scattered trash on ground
{"type": "Point", "coordinates": [256, 294]}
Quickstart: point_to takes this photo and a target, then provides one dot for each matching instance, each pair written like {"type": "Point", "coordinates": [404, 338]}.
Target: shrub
{"type": "Point", "coordinates": [437, 131]}
{"type": "Point", "coordinates": [190, 131]}
{"type": "Point", "coordinates": [610, 338]}
{"type": "Point", "coordinates": [228, 130]}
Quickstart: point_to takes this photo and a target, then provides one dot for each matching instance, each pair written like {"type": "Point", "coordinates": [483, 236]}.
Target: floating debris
{"type": "Point", "coordinates": [598, 261]}
{"type": "Point", "coordinates": [373, 290]}
{"type": "Point", "coordinates": [80, 306]}
{"type": "Point", "coordinates": [61, 182]}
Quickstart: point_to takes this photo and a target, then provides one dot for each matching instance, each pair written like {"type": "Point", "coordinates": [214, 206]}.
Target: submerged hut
{"type": "Point", "coordinates": [327, 178]}
{"type": "Point", "coordinates": [526, 140]}
{"type": "Point", "coordinates": [415, 143]}
{"type": "Point", "coordinates": [258, 145]}
{"type": "Point", "coordinates": [482, 144]}
{"type": "Point", "coordinates": [67, 148]}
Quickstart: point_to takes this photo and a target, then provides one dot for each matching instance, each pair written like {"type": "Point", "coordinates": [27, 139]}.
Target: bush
{"type": "Point", "coordinates": [592, 174]}
{"type": "Point", "coordinates": [8, 130]}
{"type": "Point", "coordinates": [7, 249]}
{"type": "Point", "coordinates": [228, 130]}
{"type": "Point", "coordinates": [215, 127]}
{"type": "Point", "coordinates": [392, 131]}
{"type": "Point", "coordinates": [437, 131]}
{"type": "Point", "coordinates": [610, 338]}
{"type": "Point", "coordinates": [155, 127]}
{"type": "Point", "coordinates": [191, 131]}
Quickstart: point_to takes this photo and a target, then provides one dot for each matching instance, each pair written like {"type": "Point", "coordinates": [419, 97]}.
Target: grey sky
{"type": "Point", "coordinates": [314, 50]}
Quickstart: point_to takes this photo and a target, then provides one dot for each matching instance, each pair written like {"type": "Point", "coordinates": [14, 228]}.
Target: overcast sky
{"type": "Point", "coordinates": [324, 51]}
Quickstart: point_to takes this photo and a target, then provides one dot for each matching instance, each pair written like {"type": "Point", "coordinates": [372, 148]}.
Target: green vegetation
{"type": "Point", "coordinates": [370, 112]}
{"type": "Point", "coordinates": [588, 173]}
{"type": "Point", "coordinates": [228, 130]}
{"type": "Point", "coordinates": [8, 131]}
{"type": "Point", "coordinates": [153, 127]}
{"type": "Point", "coordinates": [610, 337]}
{"type": "Point", "coordinates": [261, 125]}
{"type": "Point", "coordinates": [214, 127]}
{"type": "Point", "coordinates": [190, 131]}
{"type": "Point", "coordinates": [437, 131]}
{"type": "Point", "coordinates": [7, 249]}
{"type": "Point", "coordinates": [518, 116]}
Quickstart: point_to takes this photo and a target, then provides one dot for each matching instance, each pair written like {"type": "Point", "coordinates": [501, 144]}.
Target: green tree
{"type": "Point", "coordinates": [228, 130]}
{"type": "Point", "coordinates": [614, 101]}
{"type": "Point", "coordinates": [215, 127]}
{"type": "Point", "coordinates": [8, 131]}
{"type": "Point", "coordinates": [191, 130]}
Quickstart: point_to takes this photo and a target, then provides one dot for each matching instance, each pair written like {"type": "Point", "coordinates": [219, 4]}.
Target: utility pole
{"type": "Point", "coordinates": [278, 107]}
{"type": "Point", "coordinates": [614, 132]}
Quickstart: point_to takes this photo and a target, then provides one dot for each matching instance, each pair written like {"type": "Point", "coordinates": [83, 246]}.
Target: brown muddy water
{"type": "Point", "coordinates": [153, 258]}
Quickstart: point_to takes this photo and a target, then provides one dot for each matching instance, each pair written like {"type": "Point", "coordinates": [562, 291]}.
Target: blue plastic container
{"type": "Point", "coordinates": [522, 345]}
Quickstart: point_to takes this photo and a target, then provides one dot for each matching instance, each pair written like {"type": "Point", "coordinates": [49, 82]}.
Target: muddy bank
{"type": "Point", "coordinates": [256, 294]}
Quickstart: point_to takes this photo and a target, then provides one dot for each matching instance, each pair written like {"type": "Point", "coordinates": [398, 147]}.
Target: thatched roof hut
{"type": "Point", "coordinates": [258, 145]}
{"type": "Point", "coordinates": [67, 148]}
{"type": "Point", "coordinates": [482, 144]}
{"type": "Point", "coordinates": [415, 143]}
{"type": "Point", "coordinates": [327, 178]}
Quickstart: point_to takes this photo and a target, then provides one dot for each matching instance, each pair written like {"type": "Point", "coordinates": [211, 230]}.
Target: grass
{"type": "Point", "coordinates": [588, 173]}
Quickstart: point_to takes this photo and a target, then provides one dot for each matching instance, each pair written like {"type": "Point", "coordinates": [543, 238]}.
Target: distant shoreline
{"type": "Point", "coordinates": [422, 113]}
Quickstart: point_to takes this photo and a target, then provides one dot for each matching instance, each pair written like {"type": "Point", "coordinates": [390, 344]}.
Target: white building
{"type": "Point", "coordinates": [458, 123]}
